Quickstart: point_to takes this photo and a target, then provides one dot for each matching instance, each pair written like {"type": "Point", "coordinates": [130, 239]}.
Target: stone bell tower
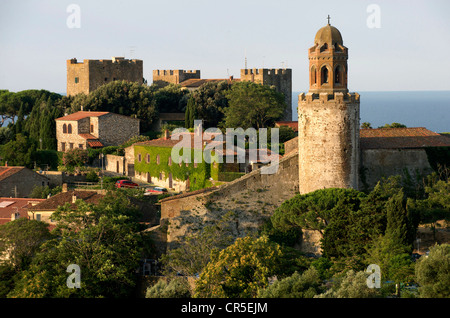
{"type": "Point", "coordinates": [328, 118]}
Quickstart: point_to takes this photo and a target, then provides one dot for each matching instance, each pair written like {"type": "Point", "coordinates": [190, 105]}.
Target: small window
{"type": "Point", "coordinates": [160, 176]}
{"type": "Point", "coordinates": [147, 158]}
{"type": "Point", "coordinates": [69, 129]}
{"type": "Point", "coordinates": [38, 217]}
{"type": "Point", "coordinates": [106, 79]}
{"type": "Point", "coordinates": [64, 129]}
{"type": "Point", "coordinates": [63, 146]}
{"type": "Point", "coordinates": [80, 146]}
{"type": "Point", "coordinates": [92, 128]}
{"type": "Point", "coordinates": [71, 145]}
{"type": "Point", "coordinates": [76, 80]}
{"type": "Point", "coordinates": [157, 159]}
{"type": "Point", "coordinates": [139, 157]}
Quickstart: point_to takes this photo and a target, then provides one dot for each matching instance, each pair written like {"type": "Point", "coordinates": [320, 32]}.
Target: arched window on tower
{"type": "Point", "coordinates": [313, 75]}
{"type": "Point", "coordinates": [64, 129]}
{"type": "Point", "coordinates": [324, 47]}
{"type": "Point", "coordinates": [338, 75]}
{"type": "Point", "coordinates": [324, 75]}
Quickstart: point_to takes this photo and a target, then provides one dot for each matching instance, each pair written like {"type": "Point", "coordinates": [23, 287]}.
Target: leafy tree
{"type": "Point", "coordinates": [305, 285]}
{"type": "Point", "coordinates": [433, 273]}
{"type": "Point", "coordinates": [75, 158]}
{"type": "Point", "coordinates": [103, 240]}
{"type": "Point", "coordinates": [18, 152]}
{"type": "Point", "coordinates": [21, 239]}
{"type": "Point", "coordinates": [253, 105]}
{"type": "Point", "coordinates": [194, 252]}
{"type": "Point", "coordinates": [210, 101]}
{"type": "Point", "coordinates": [366, 125]}
{"type": "Point", "coordinates": [393, 125]}
{"type": "Point", "coordinates": [178, 287]}
{"type": "Point", "coordinates": [240, 270]}
{"type": "Point", "coordinates": [190, 114]}
{"type": "Point", "coordinates": [42, 192]}
{"type": "Point", "coordinates": [351, 284]}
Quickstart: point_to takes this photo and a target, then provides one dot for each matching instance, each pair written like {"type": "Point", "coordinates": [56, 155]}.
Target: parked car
{"type": "Point", "coordinates": [126, 184]}
{"type": "Point", "coordinates": [154, 190]}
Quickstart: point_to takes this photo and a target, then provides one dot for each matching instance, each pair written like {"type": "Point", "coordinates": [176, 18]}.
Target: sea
{"type": "Point", "coordinates": [429, 109]}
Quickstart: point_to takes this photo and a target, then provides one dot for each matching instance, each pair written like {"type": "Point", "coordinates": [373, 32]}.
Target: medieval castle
{"type": "Point", "coordinates": [331, 151]}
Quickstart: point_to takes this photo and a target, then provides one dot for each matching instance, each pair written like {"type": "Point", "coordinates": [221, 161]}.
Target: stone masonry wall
{"type": "Point", "coordinates": [21, 184]}
{"type": "Point", "coordinates": [382, 163]}
{"type": "Point", "coordinates": [116, 129]}
{"type": "Point", "coordinates": [328, 135]}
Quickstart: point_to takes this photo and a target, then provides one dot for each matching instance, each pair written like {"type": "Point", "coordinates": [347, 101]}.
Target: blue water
{"type": "Point", "coordinates": [429, 109]}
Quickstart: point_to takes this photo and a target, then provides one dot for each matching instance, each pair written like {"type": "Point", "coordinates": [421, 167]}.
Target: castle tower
{"type": "Point", "coordinates": [328, 118]}
{"type": "Point", "coordinates": [280, 79]}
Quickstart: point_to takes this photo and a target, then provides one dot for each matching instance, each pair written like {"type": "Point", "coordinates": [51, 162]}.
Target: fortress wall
{"type": "Point", "coordinates": [382, 163]}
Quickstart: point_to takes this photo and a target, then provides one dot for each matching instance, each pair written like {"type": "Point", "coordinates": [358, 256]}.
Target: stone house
{"type": "Point", "coordinates": [86, 129]}
{"type": "Point", "coordinates": [14, 208]}
{"type": "Point", "coordinates": [18, 182]}
{"type": "Point", "coordinates": [43, 211]}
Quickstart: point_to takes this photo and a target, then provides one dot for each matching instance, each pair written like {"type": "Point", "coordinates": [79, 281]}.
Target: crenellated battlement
{"type": "Point", "coordinates": [325, 97]}
{"type": "Point", "coordinates": [266, 71]}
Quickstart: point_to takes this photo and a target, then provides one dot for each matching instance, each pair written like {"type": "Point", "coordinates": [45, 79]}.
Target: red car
{"type": "Point", "coordinates": [126, 184]}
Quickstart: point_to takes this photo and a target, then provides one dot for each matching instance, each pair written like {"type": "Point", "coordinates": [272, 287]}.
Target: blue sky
{"type": "Point", "coordinates": [408, 52]}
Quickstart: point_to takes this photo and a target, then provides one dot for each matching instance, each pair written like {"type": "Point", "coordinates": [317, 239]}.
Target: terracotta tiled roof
{"type": "Point", "coordinates": [62, 198]}
{"type": "Point", "coordinates": [6, 171]}
{"type": "Point", "coordinates": [169, 143]}
{"type": "Point", "coordinates": [394, 138]}
{"type": "Point", "coordinates": [13, 205]}
{"type": "Point", "coordinates": [95, 143]}
{"type": "Point", "coordinates": [87, 136]}
{"type": "Point", "coordinates": [292, 124]}
{"type": "Point", "coordinates": [82, 114]}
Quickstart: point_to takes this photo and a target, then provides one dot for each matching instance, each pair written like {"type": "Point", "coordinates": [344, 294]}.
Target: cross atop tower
{"type": "Point", "coordinates": [328, 18]}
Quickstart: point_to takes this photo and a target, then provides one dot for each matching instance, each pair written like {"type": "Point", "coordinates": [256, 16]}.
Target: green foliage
{"type": "Point", "coordinates": [228, 176]}
{"type": "Point", "coordinates": [393, 125]}
{"type": "Point", "coordinates": [305, 285]}
{"type": "Point", "coordinates": [177, 288]}
{"type": "Point", "coordinates": [433, 273]}
{"type": "Point", "coordinates": [194, 252]}
{"type": "Point", "coordinates": [350, 285]}
{"type": "Point", "coordinates": [366, 125]}
{"type": "Point", "coordinates": [198, 176]}
{"type": "Point", "coordinates": [92, 176]}
{"type": "Point", "coordinates": [75, 158]}
{"type": "Point", "coordinates": [42, 192]}
{"type": "Point", "coordinates": [18, 152]}
{"type": "Point", "coordinates": [209, 103]}
{"type": "Point", "coordinates": [253, 105]}
{"type": "Point", "coordinates": [190, 114]}
{"type": "Point", "coordinates": [104, 240]}
{"type": "Point", "coordinates": [240, 270]}
{"type": "Point", "coordinates": [22, 238]}
{"type": "Point", "coordinates": [7, 273]}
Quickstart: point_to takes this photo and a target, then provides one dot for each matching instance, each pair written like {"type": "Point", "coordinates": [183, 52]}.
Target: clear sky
{"type": "Point", "coordinates": [409, 50]}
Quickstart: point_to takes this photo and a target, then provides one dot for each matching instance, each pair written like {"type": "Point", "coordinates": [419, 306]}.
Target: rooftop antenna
{"type": "Point", "coordinates": [132, 50]}
{"type": "Point", "coordinates": [245, 54]}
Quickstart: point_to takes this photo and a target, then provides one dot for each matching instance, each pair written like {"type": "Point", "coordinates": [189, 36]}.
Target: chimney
{"type": "Point", "coordinates": [64, 187]}
{"type": "Point", "coordinates": [166, 134]}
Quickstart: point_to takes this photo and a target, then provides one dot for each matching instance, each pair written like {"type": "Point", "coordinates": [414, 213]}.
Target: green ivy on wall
{"type": "Point", "coordinates": [198, 175]}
